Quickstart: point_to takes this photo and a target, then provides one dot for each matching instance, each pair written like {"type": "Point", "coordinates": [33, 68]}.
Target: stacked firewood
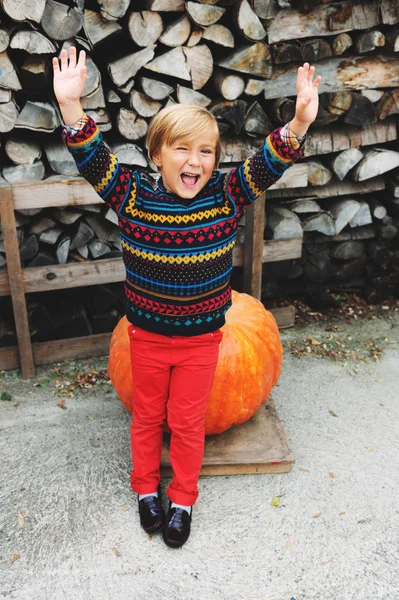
{"type": "Point", "coordinates": [239, 59]}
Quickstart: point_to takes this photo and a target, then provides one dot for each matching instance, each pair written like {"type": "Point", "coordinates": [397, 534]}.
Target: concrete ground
{"type": "Point", "coordinates": [69, 525]}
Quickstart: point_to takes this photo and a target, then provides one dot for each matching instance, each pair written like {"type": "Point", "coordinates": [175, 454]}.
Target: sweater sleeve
{"type": "Point", "coordinates": [96, 163]}
{"type": "Point", "coordinates": [246, 182]}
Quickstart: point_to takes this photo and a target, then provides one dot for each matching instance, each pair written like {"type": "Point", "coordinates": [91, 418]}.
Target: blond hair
{"type": "Point", "coordinates": [180, 122]}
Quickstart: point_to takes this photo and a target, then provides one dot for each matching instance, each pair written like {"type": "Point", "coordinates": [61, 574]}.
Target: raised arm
{"type": "Point", "coordinates": [281, 148]}
{"type": "Point", "coordinates": [84, 140]}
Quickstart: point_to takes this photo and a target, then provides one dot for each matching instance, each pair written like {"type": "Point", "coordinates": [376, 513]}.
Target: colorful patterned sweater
{"type": "Point", "coordinates": [178, 253]}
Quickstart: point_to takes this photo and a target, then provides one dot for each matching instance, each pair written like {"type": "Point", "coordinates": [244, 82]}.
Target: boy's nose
{"type": "Point", "coordinates": [193, 160]}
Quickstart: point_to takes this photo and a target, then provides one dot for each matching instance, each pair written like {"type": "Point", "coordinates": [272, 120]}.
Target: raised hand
{"type": "Point", "coordinates": [70, 79]}
{"type": "Point", "coordinates": [307, 102]}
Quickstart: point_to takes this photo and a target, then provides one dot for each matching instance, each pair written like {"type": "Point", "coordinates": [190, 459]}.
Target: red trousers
{"type": "Point", "coordinates": [172, 380]}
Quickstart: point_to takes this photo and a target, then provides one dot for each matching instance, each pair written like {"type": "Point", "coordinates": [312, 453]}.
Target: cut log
{"type": "Point", "coordinates": [8, 116]}
{"type": "Point", "coordinates": [351, 270]}
{"type": "Point", "coordinates": [40, 224]}
{"type": "Point", "coordinates": [143, 105]}
{"type": "Point", "coordinates": [8, 76]}
{"type": "Point", "coordinates": [232, 112]}
{"type": "Point", "coordinates": [29, 248]}
{"type": "Point", "coordinates": [389, 11]}
{"type": "Point", "coordinates": [340, 103]}
{"type": "Point", "coordinates": [378, 252]}
{"type": "Point", "coordinates": [361, 112]}
{"type": "Point", "coordinates": [218, 34]}
{"type": "Point", "coordinates": [265, 9]}
{"type": "Point", "coordinates": [322, 222]}
{"type": "Point", "coordinates": [38, 116]}
{"type": "Point", "coordinates": [343, 211]}
{"type": "Point", "coordinates": [177, 32]}
{"type": "Point", "coordinates": [339, 74]}
{"type": "Point", "coordinates": [281, 110]}
{"type": "Point", "coordinates": [129, 154]}
{"type": "Point", "coordinates": [34, 74]}
{"type": "Point", "coordinates": [345, 161]}
{"type": "Point", "coordinates": [388, 104]}
{"type": "Point", "coordinates": [145, 27]}
{"type": "Point", "coordinates": [200, 64]}
{"type": "Point", "coordinates": [255, 60]}
{"type": "Point", "coordinates": [375, 162]}
{"type": "Point", "coordinates": [324, 141]}
{"type": "Point", "coordinates": [283, 223]}
{"type": "Point", "coordinates": [341, 44]}
{"type": "Point", "coordinates": [257, 122]}
{"type": "Point", "coordinates": [171, 63]}
{"type": "Point", "coordinates": [319, 174]}
{"type": "Point", "coordinates": [5, 96]}
{"type": "Point", "coordinates": [204, 14]}
{"type": "Point", "coordinates": [377, 209]}
{"type": "Point", "coordinates": [63, 248]}
{"type": "Point", "coordinates": [315, 50]}
{"type": "Point", "coordinates": [130, 125]}
{"type": "Point", "coordinates": [196, 36]}
{"type": "Point", "coordinates": [21, 150]}
{"type": "Point", "coordinates": [4, 39]}
{"type": "Point", "coordinates": [372, 95]}
{"type": "Point", "coordinates": [124, 69]}
{"type": "Point", "coordinates": [387, 229]}
{"type": "Point", "coordinates": [254, 87]}
{"type": "Point", "coordinates": [24, 173]}
{"type": "Point", "coordinates": [304, 206]}
{"type": "Point", "coordinates": [249, 23]}
{"type": "Point", "coordinates": [229, 86]}
{"type": "Point", "coordinates": [94, 100]}
{"type": "Point", "coordinates": [362, 217]}
{"type": "Point", "coordinates": [32, 42]}
{"type": "Point", "coordinates": [392, 39]}
{"type": "Point", "coordinates": [113, 98]}
{"type": "Point", "coordinates": [165, 5]}
{"type": "Point", "coordinates": [318, 267]}
{"type": "Point", "coordinates": [323, 20]}
{"type": "Point", "coordinates": [101, 118]}
{"type": "Point", "coordinates": [156, 90]}
{"type": "Point", "coordinates": [369, 41]}
{"type": "Point", "coordinates": [30, 10]}
{"type": "Point", "coordinates": [112, 10]}
{"type": "Point", "coordinates": [98, 249]}
{"type": "Point", "coordinates": [61, 22]}
{"type": "Point", "coordinates": [286, 52]}
{"type": "Point", "coordinates": [82, 236]}
{"type": "Point", "coordinates": [97, 29]}
{"type": "Point", "coordinates": [65, 216]}
{"type": "Point", "coordinates": [188, 96]}
{"type": "Point", "coordinates": [59, 158]}
{"type": "Point", "coordinates": [348, 250]}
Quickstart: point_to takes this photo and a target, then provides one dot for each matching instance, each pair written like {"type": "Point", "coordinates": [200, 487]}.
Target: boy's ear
{"type": "Point", "coordinates": [157, 159]}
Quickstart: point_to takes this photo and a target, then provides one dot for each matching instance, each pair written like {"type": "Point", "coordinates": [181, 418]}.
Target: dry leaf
{"type": "Point", "coordinates": [332, 476]}
{"type": "Point", "coordinates": [275, 501]}
{"type": "Point", "coordinates": [304, 470]}
{"type": "Point", "coordinates": [314, 342]}
{"type": "Point", "coordinates": [15, 557]}
{"type": "Point", "coordinates": [316, 515]}
{"type": "Point", "coordinates": [61, 404]}
{"type": "Point", "coordinates": [21, 521]}
{"type": "Point", "coordinates": [342, 513]}
{"type": "Point", "coordinates": [371, 448]}
{"type": "Point", "coordinates": [332, 413]}
{"type": "Point", "coordinates": [117, 553]}
{"type": "Point", "coordinates": [288, 544]}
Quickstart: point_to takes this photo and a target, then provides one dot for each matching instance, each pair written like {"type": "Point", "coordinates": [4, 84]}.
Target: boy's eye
{"type": "Point", "coordinates": [182, 148]}
{"type": "Point", "coordinates": [207, 151]}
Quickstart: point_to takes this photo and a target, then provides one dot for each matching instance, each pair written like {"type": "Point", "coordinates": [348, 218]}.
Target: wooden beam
{"type": "Point", "coordinates": [112, 270]}
{"type": "Point", "coordinates": [15, 281]}
{"type": "Point", "coordinates": [253, 247]}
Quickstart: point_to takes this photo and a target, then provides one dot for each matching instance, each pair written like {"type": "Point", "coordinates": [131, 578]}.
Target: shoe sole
{"type": "Point", "coordinates": [152, 530]}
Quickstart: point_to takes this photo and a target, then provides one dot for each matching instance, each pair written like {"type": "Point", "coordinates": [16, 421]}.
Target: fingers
{"type": "Point", "coordinates": [82, 58]}
{"type": "Point", "coordinates": [72, 60]}
{"type": "Point", "coordinates": [306, 73]}
{"type": "Point", "coordinates": [72, 57]}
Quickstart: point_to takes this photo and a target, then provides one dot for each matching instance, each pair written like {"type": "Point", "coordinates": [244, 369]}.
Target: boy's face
{"type": "Point", "coordinates": [187, 165]}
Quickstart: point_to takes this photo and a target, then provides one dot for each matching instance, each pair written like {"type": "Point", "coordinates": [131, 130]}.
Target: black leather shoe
{"type": "Point", "coordinates": [152, 515]}
{"type": "Point", "coordinates": [177, 527]}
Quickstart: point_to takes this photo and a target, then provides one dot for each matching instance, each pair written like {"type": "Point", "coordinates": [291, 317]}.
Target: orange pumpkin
{"type": "Point", "coordinates": [249, 364]}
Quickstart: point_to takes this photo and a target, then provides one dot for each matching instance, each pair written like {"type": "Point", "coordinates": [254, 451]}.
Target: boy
{"type": "Point", "coordinates": [178, 234]}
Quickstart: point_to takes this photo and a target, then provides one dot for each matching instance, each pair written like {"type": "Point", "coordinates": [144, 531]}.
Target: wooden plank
{"type": "Point", "coordinates": [253, 247]}
{"type": "Point", "coordinates": [15, 281]}
{"type": "Point", "coordinates": [285, 316]}
{"type": "Point", "coordinates": [290, 24]}
{"type": "Point", "coordinates": [112, 270]}
{"type": "Point", "coordinates": [259, 445]}
{"type": "Point", "coordinates": [324, 140]}
{"type": "Point", "coordinates": [294, 177]}
{"type": "Point", "coordinates": [9, 358]}
{"type": "Point", "coordinates": [339, 74]}
{"type": "Point", "coordinates": [46, 353]}
{"type": "Point", "coordinates": [333, 189]}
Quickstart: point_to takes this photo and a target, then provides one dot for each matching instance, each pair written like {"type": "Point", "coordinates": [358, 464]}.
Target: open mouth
{"type": "Point", "coordinates": [189, 180]}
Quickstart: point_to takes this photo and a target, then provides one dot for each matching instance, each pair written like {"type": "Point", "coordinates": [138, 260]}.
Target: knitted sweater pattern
{"type": "Point", "coordinates": [178, 253]}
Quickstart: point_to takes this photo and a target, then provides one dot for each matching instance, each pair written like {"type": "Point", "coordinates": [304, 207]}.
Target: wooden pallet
{"type": "Point", "coordinates": [259, 445]}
